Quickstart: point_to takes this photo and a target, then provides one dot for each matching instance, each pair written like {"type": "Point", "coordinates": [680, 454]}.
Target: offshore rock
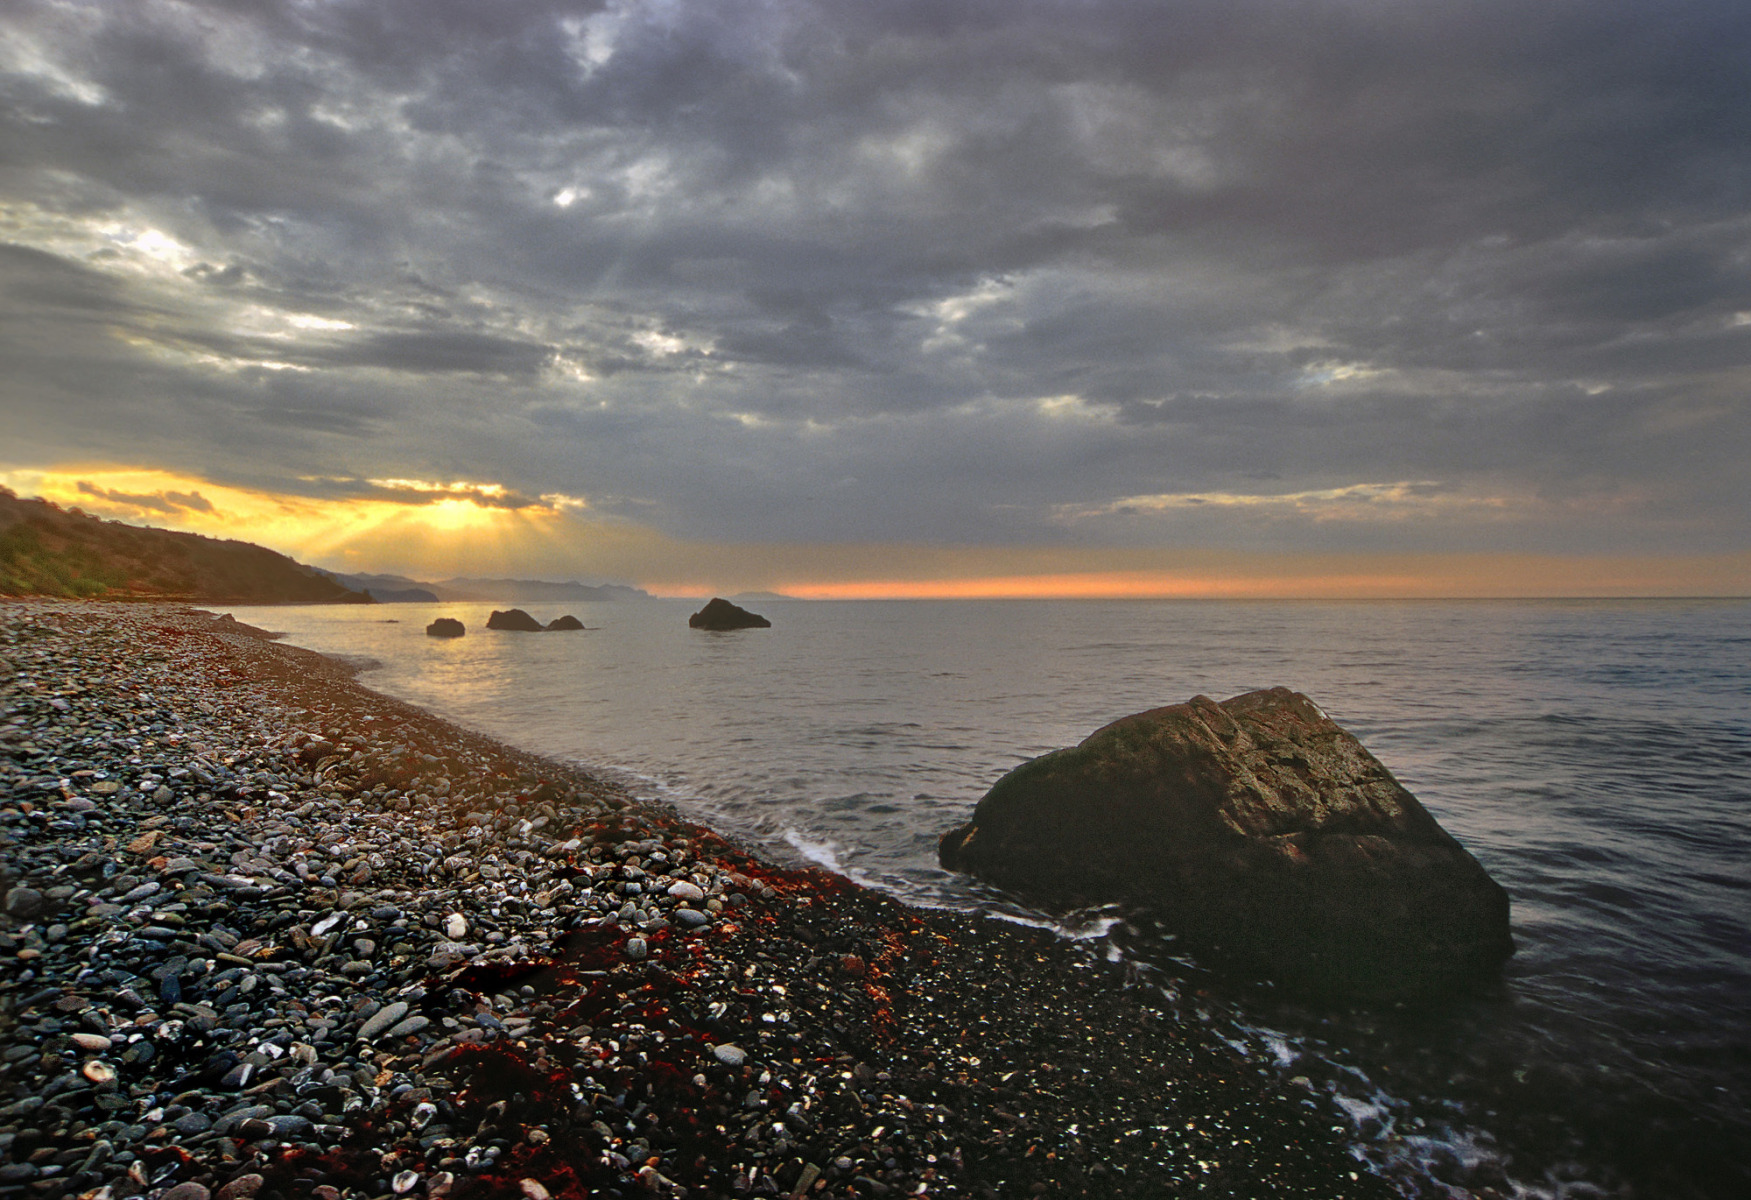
{"type": "Point", "coordinates": [1264, 834]}
{"type": "Point", "coordinates": [446, 627]}
{"type": "Point", "coordinates": [564, 624]}
{"type": "Point", "coordinates": [515, 621]}
{"type": "Point", "coordinates": [720, 615]}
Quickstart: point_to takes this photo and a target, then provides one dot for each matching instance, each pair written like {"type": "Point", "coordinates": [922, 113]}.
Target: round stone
{"type": "Point", "coordinates": [729, 1055]}
{"type": "Point", "coordinates": [187, 1191]}
{"type": "Point", "coordinates": [24, 902]}
{"type": "Point", "coordinates": [242, 1188]}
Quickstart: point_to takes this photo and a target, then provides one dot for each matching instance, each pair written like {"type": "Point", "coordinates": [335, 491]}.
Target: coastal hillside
{"type": "Point", "coordinates": [46, 550]}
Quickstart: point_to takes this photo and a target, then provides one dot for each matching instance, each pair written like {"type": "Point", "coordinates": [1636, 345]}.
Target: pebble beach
{"type": "Point", "coordinates": [269, 933]}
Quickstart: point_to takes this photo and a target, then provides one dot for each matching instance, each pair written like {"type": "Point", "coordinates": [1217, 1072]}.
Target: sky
{"type": "Point", "coordinates": [869, 298]}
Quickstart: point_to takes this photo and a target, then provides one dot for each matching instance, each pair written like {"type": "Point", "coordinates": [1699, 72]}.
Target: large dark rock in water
{"type": "Point", "coordinates": [1268, 838]}
{"type": "Point", "coordinates": [720, 614]}
{"type": "Point", "coordinates": [446, 627]}
{"type": "Point", "coordinates": [564, 624]}
{"type": "Point", "coordinates": [515, 621]}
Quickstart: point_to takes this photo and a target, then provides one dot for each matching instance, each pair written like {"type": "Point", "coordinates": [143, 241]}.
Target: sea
{"type": "Point", "coordinates": [1594, 755]}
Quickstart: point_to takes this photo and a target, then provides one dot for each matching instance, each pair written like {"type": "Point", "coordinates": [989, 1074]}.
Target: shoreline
{"type": "Point", "coordinates": [375, 953]}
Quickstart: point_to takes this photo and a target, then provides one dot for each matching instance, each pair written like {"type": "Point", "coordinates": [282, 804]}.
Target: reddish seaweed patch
{"type": "Point", "coordinates": [496, 1072]}
{"type": "Point", "coordinates": [496, 976]}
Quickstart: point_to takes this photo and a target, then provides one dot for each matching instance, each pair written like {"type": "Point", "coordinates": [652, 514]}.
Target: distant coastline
{"type": "Point", "coordinates": [65, 553]}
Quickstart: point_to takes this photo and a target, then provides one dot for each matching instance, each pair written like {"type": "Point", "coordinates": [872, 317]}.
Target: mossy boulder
{"type": "Point", "coordinates": [1263, 834]}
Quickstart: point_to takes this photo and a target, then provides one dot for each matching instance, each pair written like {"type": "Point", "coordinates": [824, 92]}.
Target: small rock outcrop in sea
{"type": "Point", "coordinates": [1265, 835]}
{"type": "Point", "coordinates": [514, 620]}
{"type": "Point", "coordinates": [564, 624]}
{"type": "Point", "coordinates": [446, 627]}
{"type": "Point", "coordinates": [720, 615]}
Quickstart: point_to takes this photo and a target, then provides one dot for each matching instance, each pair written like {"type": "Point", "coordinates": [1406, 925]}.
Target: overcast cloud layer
{"type": "Point", "coordinates": [1264, 275]}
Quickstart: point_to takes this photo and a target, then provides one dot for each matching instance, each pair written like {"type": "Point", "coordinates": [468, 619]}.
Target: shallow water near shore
{"type": "Point", "coordinates": [1595, 756]}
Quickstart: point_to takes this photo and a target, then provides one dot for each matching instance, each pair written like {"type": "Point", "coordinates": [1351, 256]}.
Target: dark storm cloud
{"type": "Point", "coordinates": [34, 281]}
{"type": "Point", "coordinates": [934, 269]}
{"type": "Point", "coordinates": [451, 351]}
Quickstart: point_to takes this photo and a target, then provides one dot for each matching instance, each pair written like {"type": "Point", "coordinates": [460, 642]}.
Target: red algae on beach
{"type": "Point", "coordinates": [339, 948]}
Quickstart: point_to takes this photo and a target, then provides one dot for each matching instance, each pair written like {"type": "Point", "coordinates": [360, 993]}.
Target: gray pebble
{"type": "Point", "coordinates": [409, 1027]}
{"type": "Point", "coordinates": [236, 1117]}
{"type": "Point", "coordinates": [383, 1019]}
{"type": "Point", "coordinates": [23, 902]}
{"type": "Point", "coordinates": [290, 1125]}
{"type": "Point", "coordinates": [192, 1123]}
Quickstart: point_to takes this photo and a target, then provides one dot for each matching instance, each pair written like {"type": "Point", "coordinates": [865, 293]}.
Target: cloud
{"type": "Point", "coordinates": [1356, 501]}
{"type": "Point", "coordinates": [422, 353]}
{"type": "Point", "coordinates": [167, 503]}
{"type": "Point", "coordinates": [960, 274]}
{"type": "Point", "coordinates": [485, 495]}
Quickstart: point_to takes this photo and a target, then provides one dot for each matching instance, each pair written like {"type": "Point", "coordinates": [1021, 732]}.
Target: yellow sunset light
{"type": "Point", "coordinates": [351, 529]}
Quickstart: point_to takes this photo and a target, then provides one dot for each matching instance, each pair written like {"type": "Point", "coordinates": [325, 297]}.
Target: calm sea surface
{"type": "Point", "coordinates": [1595, 756]}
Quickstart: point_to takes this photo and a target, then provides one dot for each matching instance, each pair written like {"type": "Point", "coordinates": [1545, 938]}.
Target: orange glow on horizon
{"type": "Point", "coordinates": [436, 531]}
{"type": "Point", "coordinates": [1460, 577]}
{"type": "Point", "coordinates": [1110, 585]}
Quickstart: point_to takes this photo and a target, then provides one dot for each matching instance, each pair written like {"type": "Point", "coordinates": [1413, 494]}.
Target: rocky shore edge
{"type": "Point", "coordinates": [269, 933]}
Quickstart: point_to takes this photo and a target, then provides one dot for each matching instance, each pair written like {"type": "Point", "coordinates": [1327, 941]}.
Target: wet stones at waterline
{"type": "Point", "coordinates": [1263, 833]}
{"type": "Point", "coordinates": [446, 627]}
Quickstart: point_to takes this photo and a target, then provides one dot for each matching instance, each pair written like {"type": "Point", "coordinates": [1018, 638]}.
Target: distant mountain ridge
{"type": "Point", "coordinates": [386, 589]}
{"type": "Point", "coordinates": [46, 550]}
{"type": "Point", "coordinates": [392, 589]}
{"type": "Point", "coordinates": [534, 589]}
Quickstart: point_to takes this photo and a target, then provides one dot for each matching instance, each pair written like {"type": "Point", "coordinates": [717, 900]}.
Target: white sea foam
{"type": "Point", "coordinates": [818, 852]}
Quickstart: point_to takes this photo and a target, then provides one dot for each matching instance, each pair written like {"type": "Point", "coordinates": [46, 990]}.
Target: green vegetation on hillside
{"type": "Point", "coordinates": [48, 551]}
